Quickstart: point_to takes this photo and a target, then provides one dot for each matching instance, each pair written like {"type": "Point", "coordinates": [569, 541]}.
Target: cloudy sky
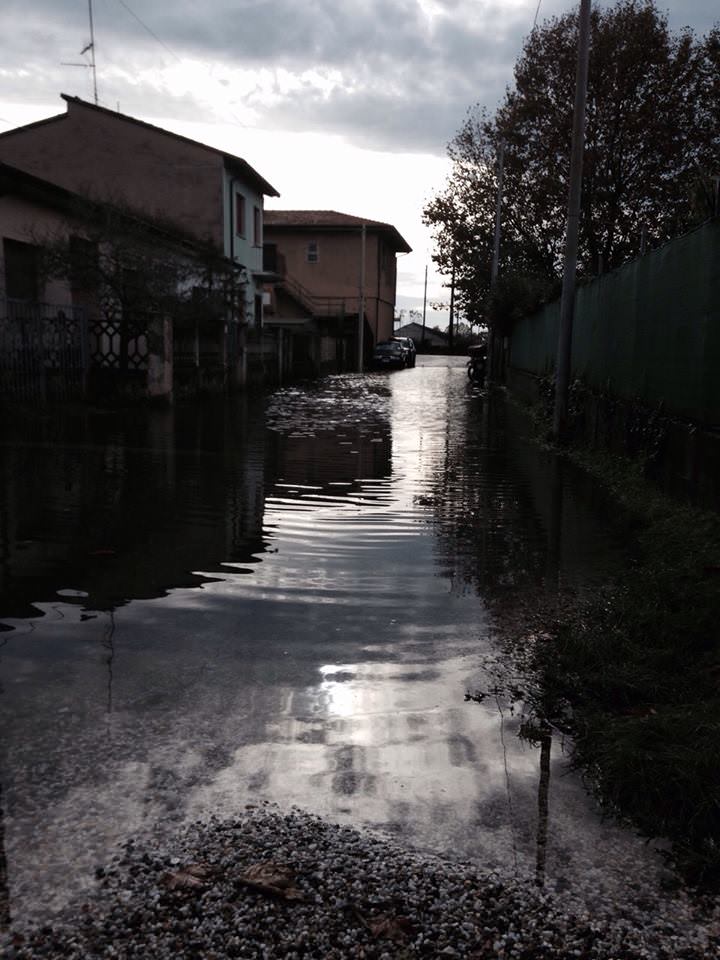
{"type": "Point", "coordinates": [340, 104]}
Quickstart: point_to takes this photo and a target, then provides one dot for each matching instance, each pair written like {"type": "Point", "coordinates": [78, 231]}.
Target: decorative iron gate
{"type": "Point", "coordinates": [118, 344]}
{"type": "Point", "coordinates": [43, 350]}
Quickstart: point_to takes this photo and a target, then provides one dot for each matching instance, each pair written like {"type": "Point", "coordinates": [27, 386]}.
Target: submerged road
{"type": "Point", "coordinates": [287, 599]}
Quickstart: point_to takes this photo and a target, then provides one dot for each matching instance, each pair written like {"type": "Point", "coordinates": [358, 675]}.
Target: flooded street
{"type": "Point", "coordinates": [287, 599]}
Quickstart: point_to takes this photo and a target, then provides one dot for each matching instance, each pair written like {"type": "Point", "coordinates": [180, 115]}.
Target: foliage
{"type": "Point", "coordinates": [632, 671]}
{"type": "Point", "coordinates": [516, 294]}
{"type": "Point", "coordinates": [130, 269]}
{"type": "Point", "coordinates": [639, 666]}
{"type": "Point", "coordinates": [652, 135]}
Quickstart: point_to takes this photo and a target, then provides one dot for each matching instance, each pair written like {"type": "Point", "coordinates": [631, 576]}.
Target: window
{"type": "Point", "coordinates": [21, 270]}
{"type": "Point", "coordinates": [257, 227]}
{"type": "Point", "coordinates": [239, 215]}
{"type": "Point", "coordinates": [312, 252]}
{"type": "Point", "coordinates": [84, 267]}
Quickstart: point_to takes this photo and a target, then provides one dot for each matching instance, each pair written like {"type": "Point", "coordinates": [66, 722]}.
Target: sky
{"type": "Point", "coordinates": [341, 104]}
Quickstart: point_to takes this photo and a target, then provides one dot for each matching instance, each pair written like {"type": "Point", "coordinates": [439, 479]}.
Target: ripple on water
{"type": "Point", "coordinates": [286, 601]}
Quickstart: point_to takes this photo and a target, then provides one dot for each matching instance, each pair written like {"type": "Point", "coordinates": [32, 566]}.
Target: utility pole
{"type": "Point", "coordinates": [424, 307]}
{"type": "Point", "coordinates": [361, 301]}
{"type": "Point", "coordinates": [498, 215]}
{"type": "Point", "coordinates": [567, 300]}
{"type": "Point", "coordinates": [495, 264]}
{"type": "Point", "coordinates": [451, 332]}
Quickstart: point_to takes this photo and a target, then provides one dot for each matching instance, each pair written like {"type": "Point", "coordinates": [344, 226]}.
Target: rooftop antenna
{"type": "Point", "coordinates": [91, 48]}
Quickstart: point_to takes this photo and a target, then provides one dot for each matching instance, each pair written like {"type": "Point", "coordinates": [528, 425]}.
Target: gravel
{"type": "Point", "coordinates": [337, 893]}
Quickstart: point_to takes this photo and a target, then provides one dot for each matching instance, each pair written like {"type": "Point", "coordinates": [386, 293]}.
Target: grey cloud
{"type": "Point", "coordinates": [405, 81]}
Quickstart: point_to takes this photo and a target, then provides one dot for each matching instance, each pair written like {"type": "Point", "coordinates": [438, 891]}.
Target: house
{"type": "Point", "coordinates": [213, 196]}
{"type": "Point", "coordinates": [427, 335]}
{"type": "Point", "coordinates": [92, 297]}
{"type": "Point", "coordinates": [332, 268]}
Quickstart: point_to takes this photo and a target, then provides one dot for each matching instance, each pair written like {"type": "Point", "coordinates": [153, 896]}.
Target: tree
{"type": "Point", "coordinates": [652, 134]}
{"type": "Point", "coordinates": [130, 272]}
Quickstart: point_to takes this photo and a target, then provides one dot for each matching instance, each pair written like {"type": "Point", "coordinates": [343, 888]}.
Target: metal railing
{"type": "Point", "coordinates": [43, 349]}
{"type": "Point", "coordinates": [320, 306]}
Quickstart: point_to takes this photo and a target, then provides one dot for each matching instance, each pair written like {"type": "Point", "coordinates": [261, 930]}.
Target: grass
{"type": "Point", "coordinates": [633, 673]}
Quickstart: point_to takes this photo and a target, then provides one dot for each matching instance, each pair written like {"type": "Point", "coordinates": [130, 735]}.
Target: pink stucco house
{"type": "Point", "coordinates": [319, 256]}
{"type": "Point", "coordinates": [58, 329]}
{"type": "Point", "coordinates": [213, 196]}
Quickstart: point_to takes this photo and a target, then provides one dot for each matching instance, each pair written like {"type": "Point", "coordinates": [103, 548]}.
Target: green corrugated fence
{"type": "Point", "coordinates": [648, 331]}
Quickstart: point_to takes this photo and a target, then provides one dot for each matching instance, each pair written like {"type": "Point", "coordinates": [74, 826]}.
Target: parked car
{"type": "Point", "coordinates": [390, 353]}
{"type": "Point", "coordinates": [409, 345]}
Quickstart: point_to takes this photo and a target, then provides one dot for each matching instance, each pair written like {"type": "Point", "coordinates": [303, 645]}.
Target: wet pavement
{"type": "Point", "coordinates": [287, 598]}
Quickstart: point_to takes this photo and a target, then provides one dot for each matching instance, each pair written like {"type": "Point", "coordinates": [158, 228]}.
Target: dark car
{"type": "Point", "coordinates": [409, 345]}
{"type": "Point", "coordinates": [390, 354]}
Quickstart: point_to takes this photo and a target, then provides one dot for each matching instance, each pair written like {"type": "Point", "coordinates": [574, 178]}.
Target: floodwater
{"type": "Point", "coordinates": [286, 599]}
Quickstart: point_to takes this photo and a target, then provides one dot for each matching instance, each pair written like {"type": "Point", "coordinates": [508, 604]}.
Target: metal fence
{"type": "Point", "coordinates": [43, 350]}
{"type": "Point", "coordinates": [648, 331]}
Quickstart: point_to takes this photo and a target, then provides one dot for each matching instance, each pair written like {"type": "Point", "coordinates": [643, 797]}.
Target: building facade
{"type": "Point", "coordinates": [215, 198]}
{"type": "Point", "coordinates": [94, 300]}
{"type": "Point", "coordinates": [333, 269]}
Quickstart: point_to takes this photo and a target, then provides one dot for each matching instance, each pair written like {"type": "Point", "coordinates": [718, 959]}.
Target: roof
{"type": "Point", "coordinates": [237, 164]}
{"type": "Point", "coordinates": [415, 330]}
{"type": "Point", "coordinates": [331, 221]}
{"type": "Point", "coordinates": [15, 181]}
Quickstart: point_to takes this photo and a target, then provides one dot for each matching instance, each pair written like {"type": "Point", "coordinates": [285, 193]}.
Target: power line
{"type": "Point", "coordinates": [173, 54]}
{"type": "Point", "coordinates": [151, 32]}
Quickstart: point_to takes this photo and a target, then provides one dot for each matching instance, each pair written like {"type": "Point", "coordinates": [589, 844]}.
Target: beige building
{"type": "Point", "coordinates": [213, 196]}
{"type": "Point", "coordinates": [64, 331]}
{"type": "Point", "coordinates": [319, 256]}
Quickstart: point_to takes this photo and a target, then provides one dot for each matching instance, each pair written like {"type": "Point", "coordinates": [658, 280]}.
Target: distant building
{"type": "Point", "coordinates": [215, 197]}
{"type": "Point", "coordinates": [317, 256]}
{"type": "Point", "coordinates": [432, 338]}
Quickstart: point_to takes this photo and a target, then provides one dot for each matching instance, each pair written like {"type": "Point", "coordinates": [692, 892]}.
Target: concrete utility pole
{"type": "Point", "coordinates": [451, 324]}
{"type": "Point", "coordinates": [567, 300]}
{"type": "Point", "coordinates": [498, 215]}
{"type": "Point", "coordinates": [361, 301]}
{"type": "Point", "coordinates": [424, 307]}
{"type": "Point", "coordinates": [495, 265]}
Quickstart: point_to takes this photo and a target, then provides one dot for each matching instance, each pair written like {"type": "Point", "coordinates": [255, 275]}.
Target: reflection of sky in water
{"type": "Point", "coordinates": [330, 675]}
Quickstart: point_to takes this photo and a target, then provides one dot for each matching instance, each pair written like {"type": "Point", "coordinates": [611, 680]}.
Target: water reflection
{"type": "Point", "coordinates": [286, 601]}
{"type": "Point", "coordinates": [127, 507]}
